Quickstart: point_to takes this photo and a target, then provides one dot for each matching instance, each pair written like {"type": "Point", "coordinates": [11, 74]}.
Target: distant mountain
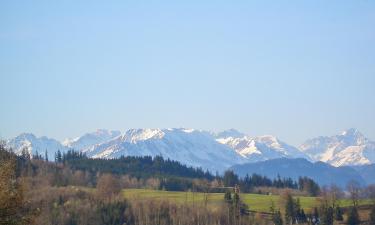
{"type": "Point", "coordinates": [35, 144]}
{"type": "Point", "coordinates": [261, 148]}
{"type": "Point", "coordinates": [322, 173]}
{"type": "Point", "coordinates": [349, 148]}
{"type": "Point", "coordinates": [191, 147]}
{"type": "Point", "coordinates": [231, 133]}
{"type": "Point", "coordinates": [90, 139]}
{"type": "Point", "coordinates": [213, 151]}
{"type": "Point", "coordinates": [367, 172]}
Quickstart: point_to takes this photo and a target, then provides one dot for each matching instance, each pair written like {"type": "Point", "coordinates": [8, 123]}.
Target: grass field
{"type": "Point", "coordinates": [256, 202]}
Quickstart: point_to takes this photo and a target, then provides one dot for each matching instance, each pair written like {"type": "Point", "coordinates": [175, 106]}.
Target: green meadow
{"type": "Point", "coordinates": [256, 202]}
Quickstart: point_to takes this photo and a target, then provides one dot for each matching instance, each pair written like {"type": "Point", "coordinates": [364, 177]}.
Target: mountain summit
{"type": "Point", "coordinates": [351, 147]}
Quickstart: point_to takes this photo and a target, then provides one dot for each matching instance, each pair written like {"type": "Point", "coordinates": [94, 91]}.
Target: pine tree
{"type": "Point", "coordinates": [36, 156]}
{"type": "Point", "coordinates": [302, 216]}
{"type": "Point", "coordinates": [315, 216]}
{"type": "Point", "coordinates": [353, 216]}
{"type": "Point", "coordinates": [276, 218]}
{"type": "Point", "coordinates": [46, 156]}
{"type": "Point", "coordinates": [230, 179]}
{"type": "Point", "coordinates": [228, 196]}
{"type": "Point", "coordinates": [276, 215]}
{"type": "Point", "coordinates": [338, 214]}
{"type": "Point", "coordinates": [327, 215]}
{"type": "Point", "coordinates": [289, 209]}
{"type": "Point", "coordinates": [372, 216]}
{"type": "Point", "coordinates": [58, 157]}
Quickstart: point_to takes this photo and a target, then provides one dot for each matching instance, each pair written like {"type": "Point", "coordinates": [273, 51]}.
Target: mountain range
{"type": "Point", "coordinates": [321, 172]}
{"type": "Point", "coordinates": [209, 150]}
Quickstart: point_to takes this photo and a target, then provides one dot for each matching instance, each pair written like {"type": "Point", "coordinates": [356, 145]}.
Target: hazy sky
{"type": "Point", "coordinates": [295, 69]}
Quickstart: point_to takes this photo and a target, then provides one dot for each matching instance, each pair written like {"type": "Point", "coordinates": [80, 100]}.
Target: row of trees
{"type": "Point", "coordinates": [247, 184]}
{"type": "Point", "coordinates": [168, 174]}
{"type": "Point", "coordinates": [138, 166]}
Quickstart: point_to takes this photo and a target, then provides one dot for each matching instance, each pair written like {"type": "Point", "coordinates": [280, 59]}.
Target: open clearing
{"type": "Point", "coordinates": [256, 202]}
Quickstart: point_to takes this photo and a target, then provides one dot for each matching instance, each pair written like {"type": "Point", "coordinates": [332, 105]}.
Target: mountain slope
{"type": "Point", "coordinates": [349, 148]}
{"type": "Point", "coordinates": [322, 173]}
{"type": "Point", "coordinates": [35, 144]}
{"type": "Point", "coordinates": [91, 139]}
{"type": "Point", "coordinates": [367, 172]}
{"type": "Point", "coordinates": [261, 148]}
{"type": "Point", "coordinates": [191, 147]}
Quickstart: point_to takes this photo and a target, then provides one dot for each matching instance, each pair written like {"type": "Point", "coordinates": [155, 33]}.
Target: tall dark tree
{"type": "Point", "coordinates": [372, 215]}
{"type": "Point", "coordinates": [228, 196]}
{"type": "Point", "coordinates": [353, 216]}
{"type": "Point", "coordinates": [46, 156]}
{"type": "Point", "coordinates": [230, 179]}
{"type": "Point", "coordinates": [326, 215]}
{"type": "Point", "coordinates": [58, 156]}
{"type": "Point", "coordinates": [289, 209]}
{"type": "Point", "coordinates": [308, 185]}
{"type": "Point", "coordinates": [338, 213]}
{"type": "Point", "coordinates": [315, 215]}
{"type": "Point", "coordinates": [276, 215]}
{"type": "Point", "coordinates": [277, 218]}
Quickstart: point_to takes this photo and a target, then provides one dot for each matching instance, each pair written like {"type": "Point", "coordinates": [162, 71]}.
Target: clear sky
{"type": "Point", "coordinates": [295, 69]}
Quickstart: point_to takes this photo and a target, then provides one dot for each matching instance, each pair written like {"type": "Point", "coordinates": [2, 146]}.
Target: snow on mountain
{"type": "Point", "coordinates": [191, 147]}
{"type": "Point", "coordinates": [90, 139]}
{"type": "Point", "coordinates": [351, 147]}
{"type": "Point", "coordinates": [261, 148]}
{"type": "Point", "coordinates": [215, 152]}
{"type": "Point", "coordinates": [35, 144]}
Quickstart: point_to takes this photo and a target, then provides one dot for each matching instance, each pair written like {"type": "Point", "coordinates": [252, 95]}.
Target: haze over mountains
{"type": "Point", "coordinates": [212, 151]}
{"type": "Point", "coordinates": [322, 173]}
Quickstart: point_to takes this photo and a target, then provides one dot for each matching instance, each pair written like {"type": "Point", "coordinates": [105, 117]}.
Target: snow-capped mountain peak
{"type": "Point", "coordinates": [261, 148]}
{"type": "Point", "coordinates": [89, 139]}
{"type": "Point", "coordinates": [354, 137]}
{"type": "Point", "coordinates": [350, 147]}
{"type": "Point", "coordinates": [33, 145]}
{"type": "Point", "coordinates": [191, 147]}
{"type": "Point", "coordinates": [135, 135]}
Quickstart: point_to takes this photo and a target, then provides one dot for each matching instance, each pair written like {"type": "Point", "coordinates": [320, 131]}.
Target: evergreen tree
{"type": "Point", "coordinates": [338, 214]}
{"type": "Point", "coordinates": [36, 156]}
{"type": "Point", "coordinates": [276, 218]}
{"type": "Point", "coordinates": [276, 215]}
{"type": "Point", "coordinates": [315, 216]}
{"type": "Point", "coordinates": [289, 209]}
{"type": "Point", "coordinates": [327, 215]}
{"type": "Point", "coordinates": [46, 156]}
{"type": "Point", "coordinates": [230, 179]}
{"type": "Point", "coordinates": [372, 216]}
{"type": "Point", "coordinates": [353, 216]}
{"type": "Point", "coordinates": [302, 216]}
{"type": "Point", "coordinates": [228, 196]}
{"type": "Point", "coordinates": [236, 198]}
{"type": "Point", "coordinates": [58, 157]}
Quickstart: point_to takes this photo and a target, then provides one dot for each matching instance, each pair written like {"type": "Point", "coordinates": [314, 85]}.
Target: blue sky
{"type": "Point", "coordinates": [295, 69]}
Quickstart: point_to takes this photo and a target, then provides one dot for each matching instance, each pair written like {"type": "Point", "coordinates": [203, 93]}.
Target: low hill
{"type": "Point", "coordinates": [322, 173]}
